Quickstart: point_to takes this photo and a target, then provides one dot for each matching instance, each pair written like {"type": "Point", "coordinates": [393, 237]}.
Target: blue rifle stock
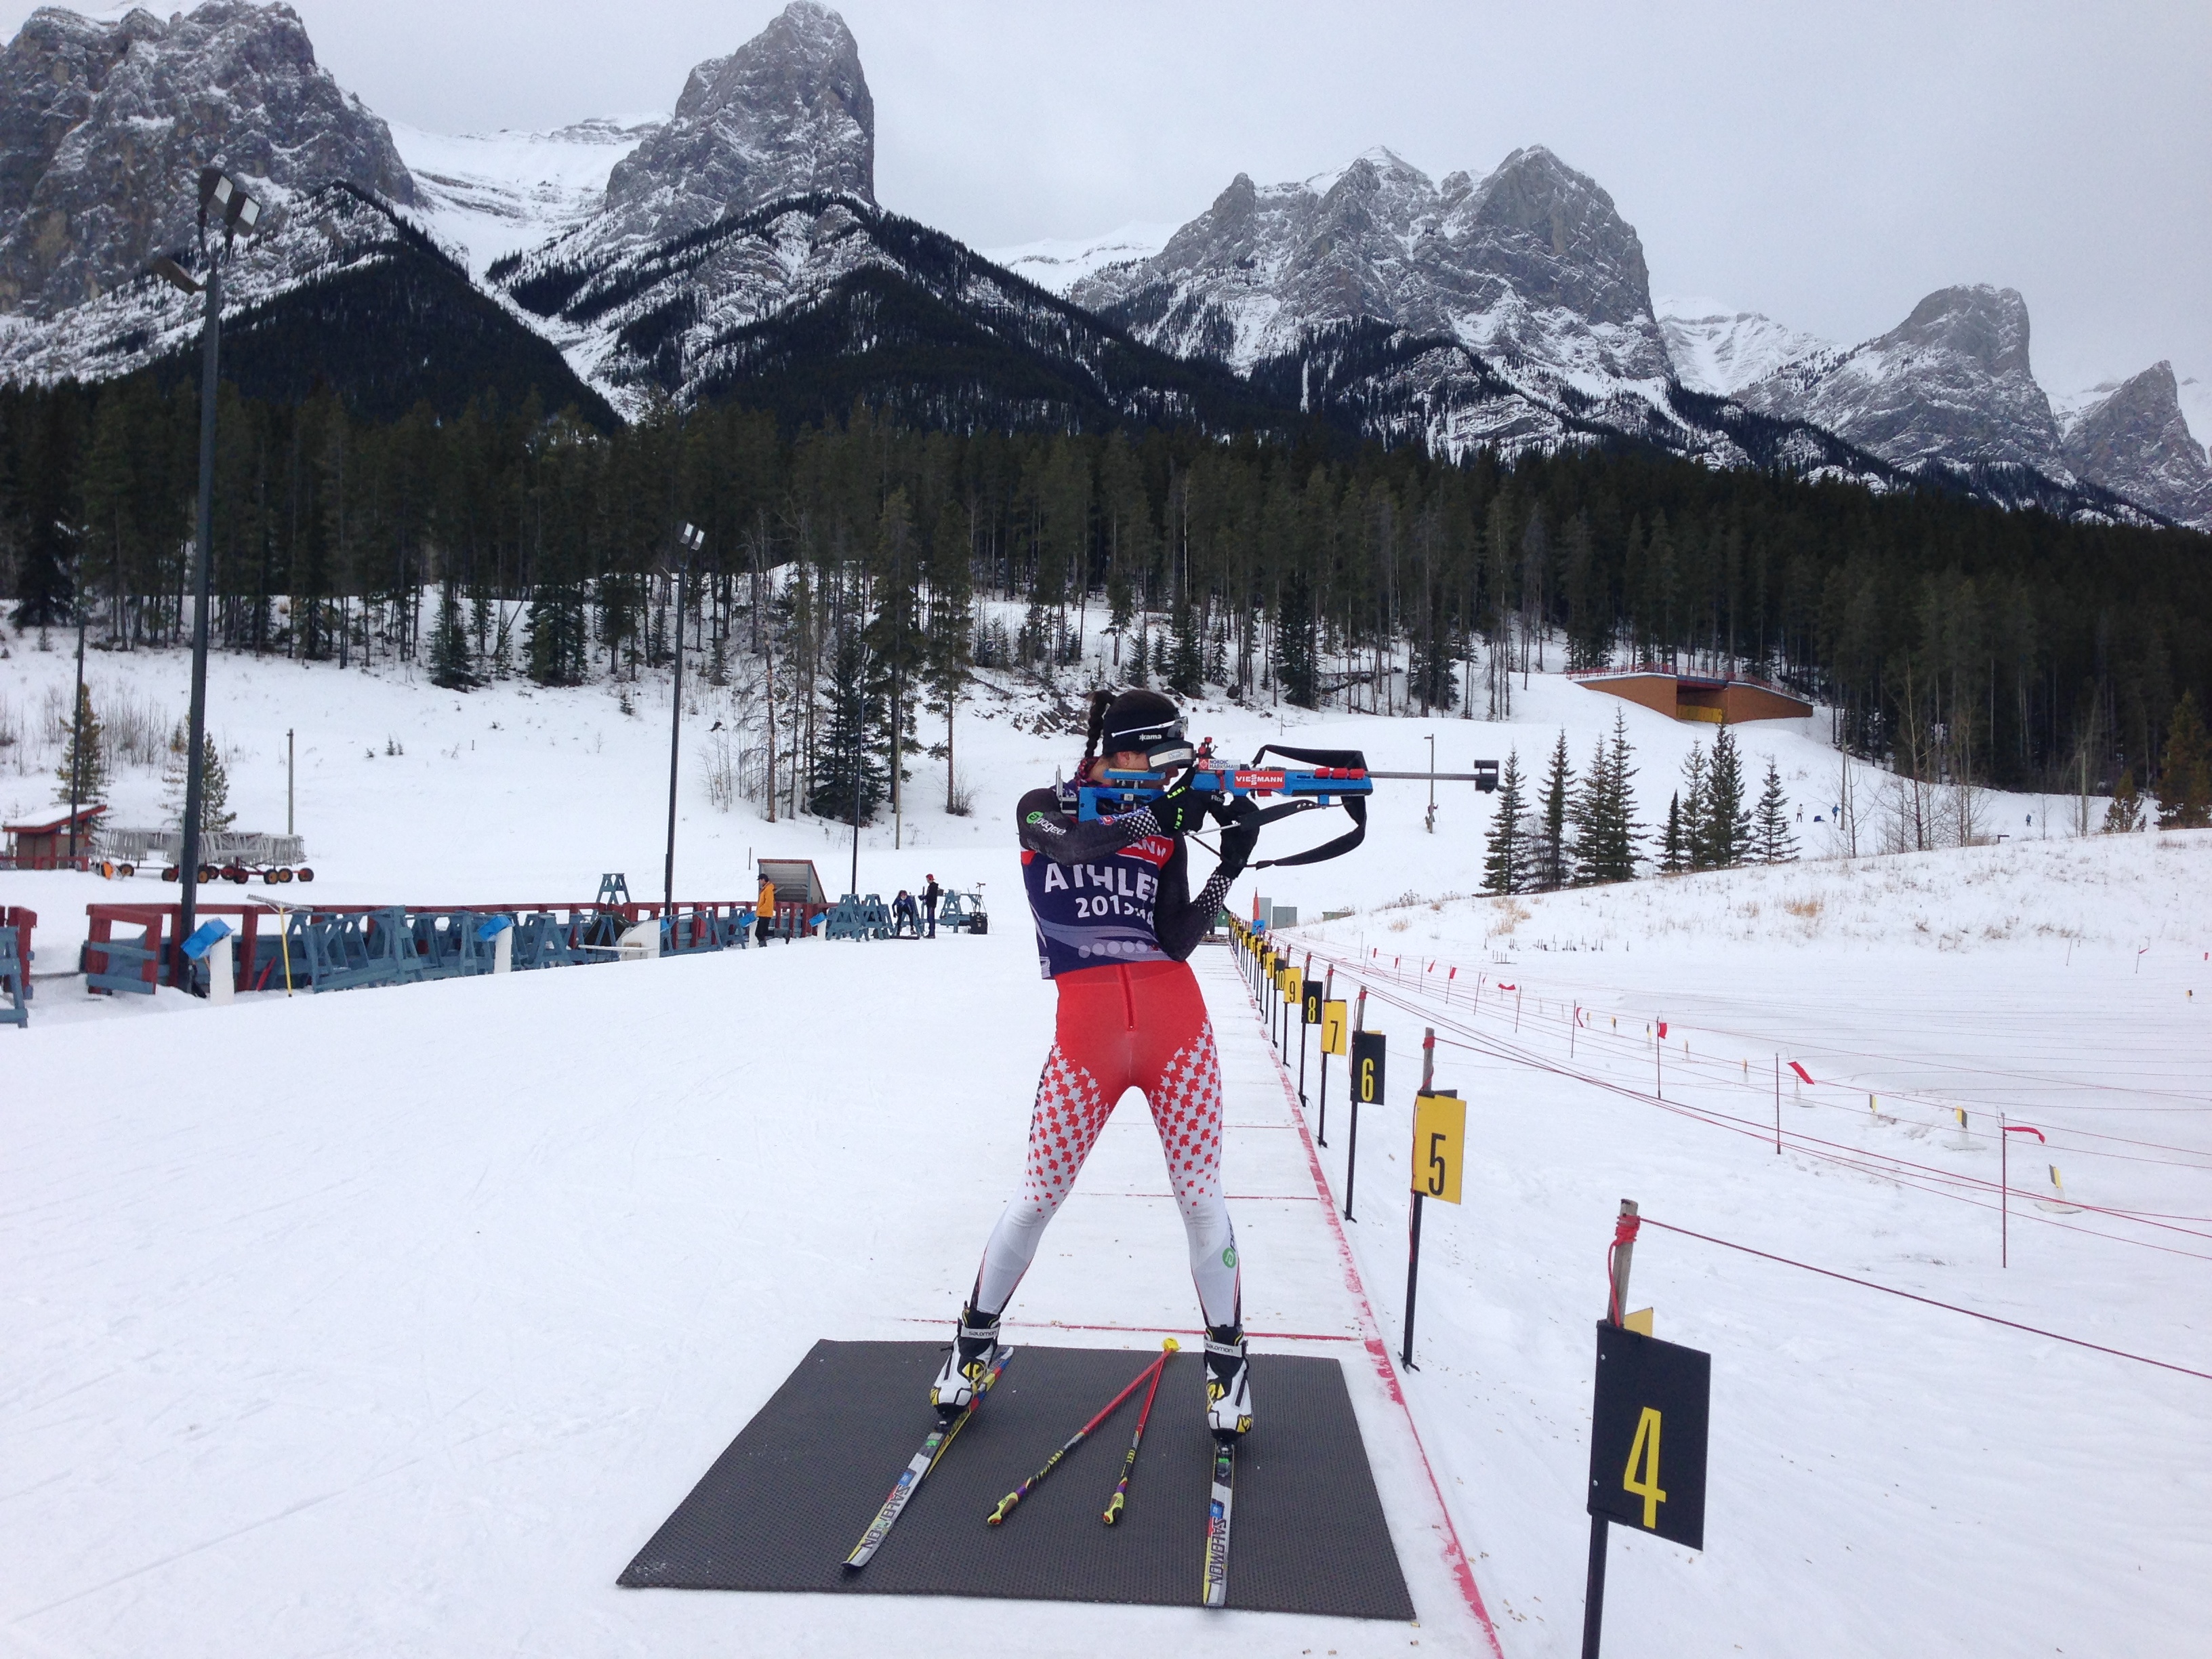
{"type": "Point", "coordinates": [1335, 777]}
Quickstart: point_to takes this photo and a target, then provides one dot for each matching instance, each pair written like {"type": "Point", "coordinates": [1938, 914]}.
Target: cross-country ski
{"type": "Point", "coordinates": [925, 1460]}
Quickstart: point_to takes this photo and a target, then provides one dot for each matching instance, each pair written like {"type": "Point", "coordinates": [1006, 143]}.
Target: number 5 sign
{"type": "Point", "coordinates": [1648, 1435]}
{"type": "Point", "coordinates": [1439, 1145]}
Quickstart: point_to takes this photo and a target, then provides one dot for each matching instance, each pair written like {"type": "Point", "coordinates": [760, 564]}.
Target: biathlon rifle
{"type": "Point", "coordinates": [1331, 777]}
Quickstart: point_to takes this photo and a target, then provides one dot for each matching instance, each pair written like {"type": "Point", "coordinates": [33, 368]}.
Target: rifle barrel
{"type": "Point", "coordinates": [1441, 777]}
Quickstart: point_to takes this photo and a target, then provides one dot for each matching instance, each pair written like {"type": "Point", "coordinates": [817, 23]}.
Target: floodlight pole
{"type": "Point", "coordinates": [691, 540]}
{"type": "Point", "coordinates": [76, 709]}
{"type": "Point", "coordinates": [188, 863]}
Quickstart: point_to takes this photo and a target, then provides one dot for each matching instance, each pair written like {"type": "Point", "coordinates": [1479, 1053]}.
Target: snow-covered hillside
{"type": "Point", "coordinates": [1056, 265]}
{"type": "Point", "coordinates": [1722, 348]}
{"type": "Point", "coordinates": [395, 1321]}
{"type": "Point", "coordinates": [497, 193]}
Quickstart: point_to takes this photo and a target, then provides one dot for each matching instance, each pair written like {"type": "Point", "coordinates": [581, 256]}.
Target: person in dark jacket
{"type": "Point", "coordinates": [1115, 922]}
{"type": "Point", "coordinates": [929, 897]}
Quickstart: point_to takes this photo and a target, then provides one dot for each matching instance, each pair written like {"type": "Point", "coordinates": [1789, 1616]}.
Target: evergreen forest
{"type": "Point", "coordinates": [844, 563]}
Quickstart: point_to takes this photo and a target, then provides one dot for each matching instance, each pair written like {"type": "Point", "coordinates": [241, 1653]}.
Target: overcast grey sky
{"type": "Point", "coordinates": [1825, 164]}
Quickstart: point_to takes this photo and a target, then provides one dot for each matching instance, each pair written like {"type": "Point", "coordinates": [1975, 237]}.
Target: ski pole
{"type": "Point", "coordinates": [1113, 1504]}
{"type": "Point", "coordinates": [1006, 1504]}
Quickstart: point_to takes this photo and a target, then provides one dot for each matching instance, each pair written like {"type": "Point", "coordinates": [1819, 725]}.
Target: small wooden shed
{"type": "Point", "coordinates": [44, 843]}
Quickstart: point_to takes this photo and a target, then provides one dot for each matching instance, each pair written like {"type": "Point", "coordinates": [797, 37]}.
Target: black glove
{"type": "Point", "coordinates": [1240, 832]}
{"type": "Point", "coordinates": [1180, 810]}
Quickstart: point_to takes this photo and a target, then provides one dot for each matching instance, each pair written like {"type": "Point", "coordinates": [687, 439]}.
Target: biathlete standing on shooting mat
{"type": "Point", "coordinates": [1115, 924]}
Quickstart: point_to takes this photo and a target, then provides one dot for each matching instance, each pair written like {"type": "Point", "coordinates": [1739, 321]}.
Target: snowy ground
{"type": "Point", "coordinates": [394, 1321]}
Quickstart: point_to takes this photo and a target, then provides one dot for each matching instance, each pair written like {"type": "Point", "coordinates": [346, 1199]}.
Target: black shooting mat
{"type": "Point", "coordinates": [782, 1507]}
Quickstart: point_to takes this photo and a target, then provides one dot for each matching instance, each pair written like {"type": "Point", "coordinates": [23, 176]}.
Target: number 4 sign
{"type": "Point", "coordinates": [1648, 1435]}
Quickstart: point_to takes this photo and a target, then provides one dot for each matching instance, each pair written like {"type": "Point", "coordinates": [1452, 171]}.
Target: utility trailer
{"type": "Point", "coordinates": [234, 855]}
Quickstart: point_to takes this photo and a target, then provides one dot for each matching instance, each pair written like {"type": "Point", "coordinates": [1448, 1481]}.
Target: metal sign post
{"type": "Point", "coordinates": [1647, 1432]}
{"type": "Point", "coordinates": [1332, 1043]}
{"type": "Point", "coordinates": [1439, 1147]}
{"type": "Point", "coordinates": [1308, 1017]}
{"type": "Point", "coordinates": [1369, 1051]}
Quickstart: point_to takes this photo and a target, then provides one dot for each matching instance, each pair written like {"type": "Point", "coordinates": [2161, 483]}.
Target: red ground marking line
{"type": "Point", "coordinates": [1378, 1351]}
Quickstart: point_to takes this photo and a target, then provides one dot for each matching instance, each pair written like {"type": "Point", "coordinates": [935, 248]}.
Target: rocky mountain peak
{"type": "Point", "coordinates": [1533, 262]}
{"type": "Point", "coordinates": [1949, 385]}
{"type": "Point", "coordinates": [1985, 325]}
{"type": "Point", "coordinates": [103, 127]}
{"type": "Point", "coordinates": [788, 111]}
{"type": "Point", "coordinates": [2135, 440]}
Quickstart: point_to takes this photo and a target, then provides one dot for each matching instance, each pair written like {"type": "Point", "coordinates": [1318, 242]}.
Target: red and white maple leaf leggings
{"type": "Point", "coordinates": [1143, 1025]}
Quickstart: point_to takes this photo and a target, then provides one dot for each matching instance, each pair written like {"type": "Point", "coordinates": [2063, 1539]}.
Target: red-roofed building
{"type": "Point", "coordinates": [44, 843]}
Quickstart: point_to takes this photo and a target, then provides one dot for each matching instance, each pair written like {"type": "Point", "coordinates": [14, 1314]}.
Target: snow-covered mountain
{"type": "Point", "coordinates": [809, 301]}
{"type": "Point", "coordinates": [1720, 348]}
{"type": "Point", "coordinates": [787, 113]}
{"type": "Point", "coordinates": [495, 194]}
{"type": "Point", "coordinates": [2133, 438]}
{"type": "Point", "coordinates": [736, 250]}
{"type": "Point", "coordinates": [1056, 265]}
{"type": "Point", "coordinates": [342, 291]}
{"type": "Point", "coordinates": [1951, 384]}
{"type": "Point", "coordinates": [104, 126]}
{"type": "Point", "coordinates": [1531, 265]}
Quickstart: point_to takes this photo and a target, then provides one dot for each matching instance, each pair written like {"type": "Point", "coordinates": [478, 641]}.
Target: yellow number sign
{"type": "Point", "coordinates": [1646, 1451]}
{"type": "Point", "coordinates": [1293, 985]}
{"type": "Point", "coordinates": [1334, 1017]}
{"type": "Point", "coordinates": [1439, 1145]}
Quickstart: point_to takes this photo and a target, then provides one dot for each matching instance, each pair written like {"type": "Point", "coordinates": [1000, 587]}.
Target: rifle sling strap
{"type": "Point", "coordinates": [1355, 806]}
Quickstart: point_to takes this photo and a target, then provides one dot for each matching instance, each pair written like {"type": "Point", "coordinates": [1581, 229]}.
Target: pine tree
{"type": "Point", "coordinates": [1505, 863]}
{"type": "Point", "coordinates": [83, 769]}
{"type": "Point", "coordinates": [1687, 816]}
{"type": "Point", "coordinates": [1771, 839]}
{"type": "Point", "coordinates": [1185, 668]}
{"type": "Point", "coordinates": [849, 743]}
{"type": "Point", "coordinates": [1728, 821]}
{"type": "Point", "coordinates": [2185, 784]}
{"type": "Point", "coordinates": [2125, 816]}
{"type": "Point", "coordinates": [554, 636]}
{"type": "Point", "coordinates": [1674, 857]}
{"type": "Point", "coordinates": [1553, 857]}
{"type": "Point", "coordinates": [1607, 832]}
{"type": "Point", "coordinates": [1297, 647]}
{"type": "Point", "coordinates": [452, 663]}
{"type": "Point", "coordinates": [1138, 671]}
{"type": "Point", "coordinates": [214, 781]}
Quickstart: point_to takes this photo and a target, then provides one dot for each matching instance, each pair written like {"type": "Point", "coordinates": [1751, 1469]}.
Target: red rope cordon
{"type": "Point", "coordinates": [1948, 1307]}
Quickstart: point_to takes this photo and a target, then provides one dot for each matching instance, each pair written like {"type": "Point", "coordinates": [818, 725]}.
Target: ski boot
{"type": "Point", "coordinates": [1228, 1383]}
{"type": "Point", "coordinates": [967, 1364]}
